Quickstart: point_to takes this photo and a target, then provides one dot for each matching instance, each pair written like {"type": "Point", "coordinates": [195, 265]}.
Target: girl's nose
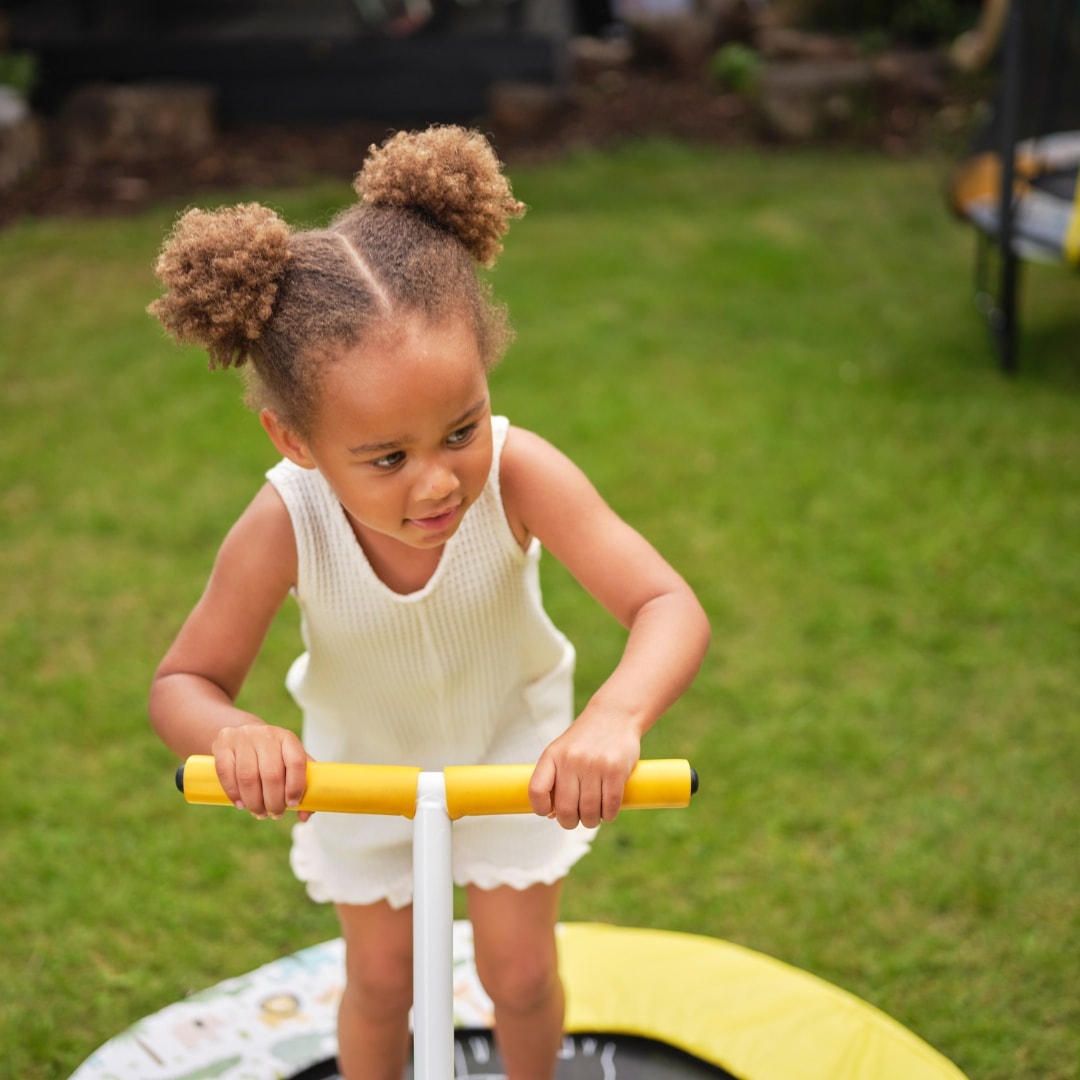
{"type": "Point", "coordinates": [438, 481]}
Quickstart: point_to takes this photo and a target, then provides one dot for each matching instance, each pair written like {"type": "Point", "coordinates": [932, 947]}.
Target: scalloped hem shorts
{"type": "Point", "coordinates": [350, 859]}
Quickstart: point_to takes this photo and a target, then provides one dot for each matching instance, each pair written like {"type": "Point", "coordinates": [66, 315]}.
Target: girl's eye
{"type": "Point", "coordinates": [462, 435]}
{"type": "Point", "coordinates": [389, 461]}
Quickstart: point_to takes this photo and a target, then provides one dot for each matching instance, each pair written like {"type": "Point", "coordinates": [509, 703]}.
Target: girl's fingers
{"type": "Point", "coordinates": [575, 795]}
{"type": "Point", "coordinates": [225, 765]}
{"type": "Point", "coordinates": [295, 759]}
{"type": "Point", "coordinates": [252, 780]}
{"type": "Point", "coordinates": [614, 788]}
{"type": "Point", "coordinates": [600, 797]}
{"type": "Point", "coordinates": [262, 769]}
{"type": "Point", "coordinates": [590, 801]}
{"type": "Point", "coordinates": [540, 787]}
{"type": "Point", "coordinates": [274, 768]}
{"type": "Point", "coordinates": [612, 801]}
{"type": "Point", "coordinates": [237, 768]}
{"type": "Point", "coordinates": [568, 800]}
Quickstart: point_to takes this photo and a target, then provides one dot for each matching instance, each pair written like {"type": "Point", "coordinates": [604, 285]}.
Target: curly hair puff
{"type": "Point", "coordinates": [222, 270]}
{"type": "Point", "coordinates": [452, 176]}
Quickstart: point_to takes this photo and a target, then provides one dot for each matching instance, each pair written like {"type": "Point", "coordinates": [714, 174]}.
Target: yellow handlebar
{"type": "Point", "coordinates": [504, 789]}
{"type": "Point", "coordinates": [346, 789]}
{"type": "Point", "coordinates": [470, 789]}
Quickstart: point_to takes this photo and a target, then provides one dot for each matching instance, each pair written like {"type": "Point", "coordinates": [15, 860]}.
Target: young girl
{"type": "Point", "coordinates": [408, 522]}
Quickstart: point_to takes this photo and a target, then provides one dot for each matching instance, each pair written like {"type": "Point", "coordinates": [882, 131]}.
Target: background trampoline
{"type": "Point", "coordinates": [1019, 187]}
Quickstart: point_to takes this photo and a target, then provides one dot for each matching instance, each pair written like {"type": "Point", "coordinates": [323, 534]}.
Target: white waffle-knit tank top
{"type": "Point", "coordinates": [467, 670]}
{"type": "Point", "coordinates": [459, 672]}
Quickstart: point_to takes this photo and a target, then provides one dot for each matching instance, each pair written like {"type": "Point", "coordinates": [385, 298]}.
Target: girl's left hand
{"type": "Point", "coordinates": [580, 777]}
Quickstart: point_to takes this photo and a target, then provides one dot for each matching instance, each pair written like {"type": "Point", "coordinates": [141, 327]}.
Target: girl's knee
{"type": "Point", "coordinates": [519, 979]}
{"type": "Point", "coordinates": [514, 935]}
{"type": "Point", "coordinates": [379, 987]}
{"type": "Point", "coordinates": [378, 960]}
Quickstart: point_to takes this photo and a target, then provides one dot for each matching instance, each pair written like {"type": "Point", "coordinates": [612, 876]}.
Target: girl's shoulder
{"type": "Point", "coordinates": [261, 543]}
{"type": "Point", "coordinates": [529, 458]}
{"type": "Point", "coordinates": [521, 449]}
{"type": "Point", "coordinates": [533, 475]}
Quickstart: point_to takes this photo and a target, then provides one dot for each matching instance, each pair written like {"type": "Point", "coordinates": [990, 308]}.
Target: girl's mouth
{"type": "Point", "coordinates": [436, 522]}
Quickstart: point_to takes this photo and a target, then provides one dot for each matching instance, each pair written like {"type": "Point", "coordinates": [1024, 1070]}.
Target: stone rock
{"type": "Point", "coordinates": [594, 60]}
{"type": "Point", "coordinates": [804, 99]}
{"type": "Point", "coordinates": [913, 75]}
{"type": "Point", "coordinates": [519, 111]}
{"type": "Point", "coordinates": [677, 45]}
{"type": "Point", "coordinates": [106, 124]}
{"type": "Point", "coordinates": [732, 20]}
{"type": "Point", "coordinates": [13, 107]}
{"type": "Point", "coordinates": [21, 141]}
{"type": "Point", "coordinates": [777, 42]}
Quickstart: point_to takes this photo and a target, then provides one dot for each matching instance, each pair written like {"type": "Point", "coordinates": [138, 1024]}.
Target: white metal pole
{"type": "Point", "coordinates": [433, 928]}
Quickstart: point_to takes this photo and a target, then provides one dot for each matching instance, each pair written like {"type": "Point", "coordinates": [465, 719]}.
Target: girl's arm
{"type": "Point", "coordinates": [581, 775]}
{"type": "Point", "coordinates": [262, 768]}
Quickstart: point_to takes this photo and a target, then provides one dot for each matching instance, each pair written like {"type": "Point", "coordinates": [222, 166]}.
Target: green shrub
{"type": "Point", "coordinates": [736, 67]}
{"type": "Point", "coordinates": [19, 70]}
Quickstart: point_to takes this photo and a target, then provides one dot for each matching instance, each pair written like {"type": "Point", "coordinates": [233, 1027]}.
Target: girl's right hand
{"type": "Point", "coordinates": [263, 769]}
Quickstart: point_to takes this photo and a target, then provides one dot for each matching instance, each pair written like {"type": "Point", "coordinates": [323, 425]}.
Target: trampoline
{"type": "Point", "coordinates": [1019, 187]}
{"type": "Point", "coordinates": [1045, 223]}
{"type": "Point", "coordinates": [641, 1004]}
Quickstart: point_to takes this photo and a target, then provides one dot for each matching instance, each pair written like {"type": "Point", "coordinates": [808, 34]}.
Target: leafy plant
{"type": "Point", "coordinates": [19, 70]}
{"type": "Point", "coordinates": [736, 67]}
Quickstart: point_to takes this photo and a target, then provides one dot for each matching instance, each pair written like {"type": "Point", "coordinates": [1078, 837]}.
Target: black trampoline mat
{"type": "Point", "coordinates": [583, 1057]}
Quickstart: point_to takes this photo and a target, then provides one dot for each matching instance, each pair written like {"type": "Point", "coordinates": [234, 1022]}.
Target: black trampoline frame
{"type": "Point", "coordinates": [998, 300]}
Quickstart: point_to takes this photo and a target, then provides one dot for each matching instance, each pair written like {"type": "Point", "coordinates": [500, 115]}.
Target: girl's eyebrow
{"type": "Point", "coordinates": [377, 448]}
{"type": "Point", "coordinates": [404, 440]}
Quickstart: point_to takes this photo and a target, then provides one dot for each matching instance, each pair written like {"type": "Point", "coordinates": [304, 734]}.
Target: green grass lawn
{"type": "Point", "coordinates": [770, 364]}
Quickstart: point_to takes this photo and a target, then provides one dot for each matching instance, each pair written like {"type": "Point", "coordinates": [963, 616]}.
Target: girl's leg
{"type": "Point", "coordinates": [373, 1019]}
{"type": "Point", "coordinates": [516, 959]}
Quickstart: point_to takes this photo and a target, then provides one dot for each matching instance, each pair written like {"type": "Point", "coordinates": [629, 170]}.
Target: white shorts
{"type": "Point", "coordinates": [349, 859]}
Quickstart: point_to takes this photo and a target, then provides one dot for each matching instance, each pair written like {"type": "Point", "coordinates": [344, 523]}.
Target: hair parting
{"type": "Point", "coordinates": [364, 271]}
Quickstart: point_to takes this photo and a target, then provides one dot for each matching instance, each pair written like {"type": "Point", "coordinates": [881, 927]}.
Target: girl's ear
{"type": "Point", "coordinates": [287, 441]}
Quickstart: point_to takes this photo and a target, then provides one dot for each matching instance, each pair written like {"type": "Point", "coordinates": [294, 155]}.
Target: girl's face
{"type": "Point", "coordinates": [403, 432]}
